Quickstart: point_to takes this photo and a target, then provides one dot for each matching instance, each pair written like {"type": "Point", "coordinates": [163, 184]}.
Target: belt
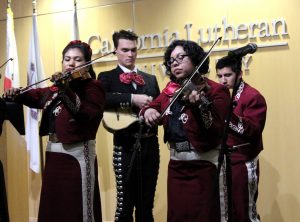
{"type": "Point", "coordinates": [211, 155]}
{"type": "Point", "coordinates": [53, 138]}
{"type": "Point", "coordinates": [144, 135]}
{"type": "Point", "coordinates": [184, 146]}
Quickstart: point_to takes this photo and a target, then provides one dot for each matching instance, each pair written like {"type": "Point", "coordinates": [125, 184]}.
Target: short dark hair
{"type": "Point", "coordinates": [194, 52]}
{"type": "Point", "coordinates": [86, 51]}
{"type": "Point", "coordinates": [234, 63]}
{"type": "Point", "coordinates": [123, 34]}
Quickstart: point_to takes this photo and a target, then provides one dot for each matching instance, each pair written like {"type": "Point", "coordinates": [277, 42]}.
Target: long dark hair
{"type": "Point", "coordinates": [86, 51]}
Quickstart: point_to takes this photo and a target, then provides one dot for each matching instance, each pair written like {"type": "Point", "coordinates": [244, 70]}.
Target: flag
{"type": "Point", "coordinates": [75, 30]}
{"type": "Point", "coordinates": [12, 78]}
{"type": "Point", "coordinates": [35, 73]}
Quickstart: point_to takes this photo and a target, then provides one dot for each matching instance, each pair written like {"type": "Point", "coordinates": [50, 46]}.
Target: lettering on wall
{"type": "Point", "coordinates": [152, 45]}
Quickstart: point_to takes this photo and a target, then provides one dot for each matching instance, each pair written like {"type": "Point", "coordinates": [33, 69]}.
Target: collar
{"type": "Point", "coordinates": [239, 90]}
{"type": "Point", "coordinates": [128, 70]}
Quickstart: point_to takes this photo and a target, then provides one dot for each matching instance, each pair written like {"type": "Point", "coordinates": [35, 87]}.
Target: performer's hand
{"type": "Point", "coordinates": [11, 93]}
{"type": "Point", "coordinates": [56, 77]}
{"type": "Point", "coordinates": [200, 100]}
{"type": "Point", "coordinates": [194, 97]}
{"type": "Point", "coordinates": [141, 100]}
{"type": "Point", "coordinates": [59, 81]}
{"type": "Point", "coordinates": [151, 117]}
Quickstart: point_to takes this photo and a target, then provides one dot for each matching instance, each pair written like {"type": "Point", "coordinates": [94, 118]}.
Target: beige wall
{"type": "Point", "coordinates": [272, 70]}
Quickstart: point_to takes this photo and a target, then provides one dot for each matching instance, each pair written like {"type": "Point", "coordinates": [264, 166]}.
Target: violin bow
{"type": "Point", "coordinates": [22, 90]}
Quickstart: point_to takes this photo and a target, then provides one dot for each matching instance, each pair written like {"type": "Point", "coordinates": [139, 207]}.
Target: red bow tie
{"type": "Point", "coordinates": [127, 78]}
{"type": "Point", "coordinates": [171, 88]}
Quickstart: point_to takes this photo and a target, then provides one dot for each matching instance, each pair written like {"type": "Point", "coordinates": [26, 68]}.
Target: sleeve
{"type": "Point", "coordinates": [220, 98]}
{"type": "Point", "coordinates": [155, 104]}
{"type": "Point", "coordinates": [212, 117]}
{"type": "Point", "coordinates": [34, 98]}
{"type": "Point", "coordinates": [251, 122]}
{"type": "Point", "coordinates": [114, 99]}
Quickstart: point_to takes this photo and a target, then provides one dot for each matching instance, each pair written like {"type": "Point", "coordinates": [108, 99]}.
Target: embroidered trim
{"type": "Point", "coordinates": [252, 177]}
{"type": "Point", "coordinates": [47, 103]}
{"type": "Point", "coordinates": [57, 110]}
{"type": "Point", "coordinates": [183, 118]}
{"type": "Point", "coordinates": [206, 118]}
{"type": "Point", "coordinates": [239, 91]}
{"type": "Point", "coordinates": [239, 128]}
{"type": "Point", "coordinates": [225, 191]}
{"type": "Point", "coordinates": [88, 182]}
{"type": "Point", "coordinates": [73, 107]}
{"type": "Point", "coordinates": [117, 164]}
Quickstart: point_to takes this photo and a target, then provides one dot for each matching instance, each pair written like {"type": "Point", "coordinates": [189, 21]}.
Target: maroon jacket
{"type": "Point", "coordinates": [80, 114]}
{"type": "Point", "coordinates": [247, 122]}
{"type": "Point", "coordinates": [203, 138]}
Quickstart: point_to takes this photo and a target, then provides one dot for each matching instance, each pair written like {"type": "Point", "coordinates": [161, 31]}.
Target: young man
{"type": "Point", "coordinates": [245, 129]}
{"type": "Point", "coordinates": [127, 88]}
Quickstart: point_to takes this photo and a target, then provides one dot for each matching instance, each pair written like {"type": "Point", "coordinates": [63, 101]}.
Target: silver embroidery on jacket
{"type": "Point", "coordinates": [73, 107]}
{"type": "Point", "coordinates": [183, 118]}
{"type": "Point", "coordinates": [239, 128]}
{"type": "Point", "coordinates": [57, 110]}
{"type": "Point", "coordinates": [206, 118]}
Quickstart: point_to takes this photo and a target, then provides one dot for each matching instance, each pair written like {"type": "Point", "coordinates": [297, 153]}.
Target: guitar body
{"type": "Point", "coordinates": [114, 121]}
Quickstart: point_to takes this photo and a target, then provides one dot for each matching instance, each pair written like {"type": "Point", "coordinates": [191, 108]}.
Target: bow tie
{"type": "Point", "coordinates": [171, 88]}
{"type": "Point", "coordinates": [127, 78]}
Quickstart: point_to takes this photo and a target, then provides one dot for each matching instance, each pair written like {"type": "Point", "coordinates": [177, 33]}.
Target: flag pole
{"type": "Point", "coordinates": [40, 138]}
{"type": "Point", "coordinates": [75, 29]}
{"type": "Point", "coordinates": [41, 150]}
{"type": "Point", "coordinates": [12, 78]}
{"type": "Point", "coordinates": [34, 7]}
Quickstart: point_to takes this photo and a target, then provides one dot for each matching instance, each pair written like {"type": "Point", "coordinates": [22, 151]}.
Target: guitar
{"type": "Point", "coordinates": [115, 120]}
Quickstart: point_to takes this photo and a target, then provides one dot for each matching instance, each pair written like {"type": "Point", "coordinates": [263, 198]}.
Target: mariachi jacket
{"type": "Point", "coordinates": [78, 113]}
{"type": "Point", "coordinates": [118, 95]}
{"type": "Point", "coordinates": [204, 128]}
{"type": "Point", "coordinates": [247, 123]}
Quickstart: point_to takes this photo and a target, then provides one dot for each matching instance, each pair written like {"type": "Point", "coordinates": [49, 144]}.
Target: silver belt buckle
{"type": "Point", "coordinates": [183, 146]}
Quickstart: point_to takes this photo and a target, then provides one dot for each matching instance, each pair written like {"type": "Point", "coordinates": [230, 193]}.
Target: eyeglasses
{"type": "Point", "coordinates": [179, 58]}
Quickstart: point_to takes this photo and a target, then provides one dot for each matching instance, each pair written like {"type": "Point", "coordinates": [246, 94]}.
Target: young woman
{"type": "Point", "coordinates": [72, 111]}
{"type": "Point", "coordinates": [193, 128]}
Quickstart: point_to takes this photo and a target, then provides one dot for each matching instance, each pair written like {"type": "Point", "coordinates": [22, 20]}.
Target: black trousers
{"type": "Point", "coordinates": [3, 201]}
{"type": "Point", "coordinates": [136, 184]}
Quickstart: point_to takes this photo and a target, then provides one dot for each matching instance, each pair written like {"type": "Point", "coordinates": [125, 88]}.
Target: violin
{"type": "Point", "coordinates": [79, 75]}
{"type": "Point", "coordinates": [62, 78]}
{"type": "Point", "coordinates": [198, 83]}
{"type": "Point", "coordinates": [76, 72]}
